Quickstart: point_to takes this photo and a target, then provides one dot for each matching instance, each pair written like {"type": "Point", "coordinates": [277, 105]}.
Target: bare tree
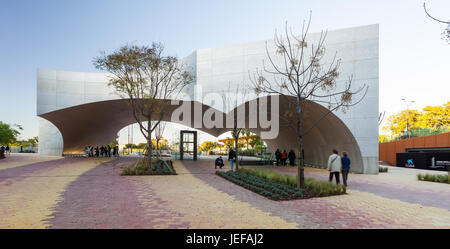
{"type": "Point", "coordinates": [446, 32]}
{"type": "Point", "coordinates": [146, 80]}
{"type": "Point", "coordinates": [302, 74]}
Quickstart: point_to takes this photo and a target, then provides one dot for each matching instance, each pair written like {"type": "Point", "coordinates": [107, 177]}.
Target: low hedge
{"type": "Point", "coordinates": [315, 187]}
{"type": "Point", "coordinates": [270, 189]}
{"type": "Point", "coordinates": [256, 162]}
{"type": "Point", "coordinates": [433, 178]}
{"type": "Point", "coordinates": [159, 167]}
{"type": "Point", "coordinates": [383, 169]}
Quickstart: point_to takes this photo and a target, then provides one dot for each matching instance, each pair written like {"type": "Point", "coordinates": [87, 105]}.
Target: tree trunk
{"type": "Point", "coordinates": [300, 163]}
{"type": "Point", "coordinates": [237, 154]}
{"type": "Point", "coordinates": [149, 144]}
{"type": "Point", "coordinates": [157, 150]}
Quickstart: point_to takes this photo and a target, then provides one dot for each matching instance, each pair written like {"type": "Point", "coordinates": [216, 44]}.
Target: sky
{"type": "Point", "coordinates": [67, 35]}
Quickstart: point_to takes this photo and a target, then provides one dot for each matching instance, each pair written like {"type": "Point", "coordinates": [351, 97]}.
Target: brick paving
{"type": "Point", "coordinates": [357, 209]}
{"type": "Point", "coordinates": [54, 192]}
{"type": "Point", "coordinates": [398, 183]}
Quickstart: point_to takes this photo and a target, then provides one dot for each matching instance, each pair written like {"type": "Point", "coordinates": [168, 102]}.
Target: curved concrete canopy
{"type": "Point", "coordinates": [99, 122]}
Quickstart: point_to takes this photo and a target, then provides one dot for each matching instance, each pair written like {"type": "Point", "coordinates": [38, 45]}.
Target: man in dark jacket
{"type": "Point", "coordinates": [291, 157]}
{"type": "Point", "coordinates": [219, 162]}
{"type": "Point", "coordinates": [278, 156]}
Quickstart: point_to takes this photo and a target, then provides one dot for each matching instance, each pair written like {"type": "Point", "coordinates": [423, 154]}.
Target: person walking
{"type": "Point", "coordinates": [291, 157]}
{"type": "Point", "coordinates": [284, 157]}
{"type": "Point", "coordinates": [334, 166]}
{"type": "Point", "coordinates": [231, 158]}
{"type": "Point", "coordinates": [345, 161]}
{"type": "Point", "coordinates": [109, 151]}
{"type": "Point", "coordinates": [8, 150]}
{"type": "Point", "coordinates": [278, 156]}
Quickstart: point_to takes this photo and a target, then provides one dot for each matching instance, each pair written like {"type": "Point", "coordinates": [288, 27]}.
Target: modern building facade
{"type": "Point", "coordinates": [70, 103]}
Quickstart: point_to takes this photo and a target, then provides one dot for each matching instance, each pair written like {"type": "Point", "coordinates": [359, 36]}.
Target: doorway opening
{"type": "Point", "coordinates": [188, 145]}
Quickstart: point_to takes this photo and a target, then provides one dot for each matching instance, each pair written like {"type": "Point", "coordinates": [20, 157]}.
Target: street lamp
{"type": "Point", "coordinates": [408, 103]}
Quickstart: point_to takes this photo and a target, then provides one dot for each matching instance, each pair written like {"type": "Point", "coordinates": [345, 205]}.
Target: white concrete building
{"type": "Point", "coordinates": [216, 69]}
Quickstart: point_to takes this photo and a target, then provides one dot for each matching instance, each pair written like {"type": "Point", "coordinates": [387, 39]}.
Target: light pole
{"type": "Point", "coordinates": [408, 103]}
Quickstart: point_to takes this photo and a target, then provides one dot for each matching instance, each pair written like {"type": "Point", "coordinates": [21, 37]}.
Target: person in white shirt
{"type": "Point", "coordinates": [334, 165]}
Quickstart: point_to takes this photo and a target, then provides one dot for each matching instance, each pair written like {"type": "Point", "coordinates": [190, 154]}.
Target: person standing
{"type": "Point", "coordinates": [278, 156]}
{"type": "Point", "coordinates": [345, 161]}
{"type": "Point", "coordinates": [231, 158]}
{"type": "Point", "coordinates": [8, 150]}
{"type": "Point", "coordinates": [334, 166]}
{"type": "Point", "coordinates": [2, 151]}
{"type": "Point", "coordinates": [291, 157]}
{"type": "Point", "coordinates": [117, 150]}
{"type": "Point", "coordinates": [284, 157]}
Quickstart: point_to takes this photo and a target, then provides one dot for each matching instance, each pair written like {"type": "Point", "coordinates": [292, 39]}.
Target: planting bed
{"type": "Point", "coordinates": [159, 167]}
{"type": "Point", "coordinates": [270, 189]}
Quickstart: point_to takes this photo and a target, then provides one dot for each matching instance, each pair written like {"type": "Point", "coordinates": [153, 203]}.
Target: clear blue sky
{"type": "Point", "coordinates": [66, 35]}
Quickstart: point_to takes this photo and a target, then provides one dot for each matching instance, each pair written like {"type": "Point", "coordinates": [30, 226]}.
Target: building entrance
{"type": "Point", "coordinates": [188, 145]}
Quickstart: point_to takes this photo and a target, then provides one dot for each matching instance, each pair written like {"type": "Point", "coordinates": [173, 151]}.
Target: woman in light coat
{"type": "Point", "coordinates": [334, 165]}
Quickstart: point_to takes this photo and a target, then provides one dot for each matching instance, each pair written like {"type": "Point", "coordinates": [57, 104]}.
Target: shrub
{"type": "Point", "coordinates": [316, 187]}
{"type": "Point", "coordinates": [159, 167]}
{"type": "Point", "coordinates": [382, 169]}
{"type": "Point", "coordinates": [433, 178]}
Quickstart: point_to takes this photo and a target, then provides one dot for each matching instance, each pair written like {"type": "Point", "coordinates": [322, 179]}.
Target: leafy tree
{"type": "Point", "coordinates": [257, 143]}
{"type": "Point", "coordinates": [431, 120]}
{"type": "Point", "coordinates": [207, 146]}
{"type": "Point", "coordinates": [114, 143]}
{"type": "Point", "coordinates": [396, 124]}
{"type": "Point", "coordinates": [228, 143]}
{"type": "Point", "coordinates": [147, 81]}
{"type": "Point", "coordinates": [247, 137]}
{"type": "Point", "coordinates": [433, 117]}
{"type": "Point", "coordinates": [9, 133]}
{"type": "Point", "coordinates": [132, 146]}
{"type": "Point", "coordinates": [142, 146]}
{"type": "Point", "coordinates": [383, 138]}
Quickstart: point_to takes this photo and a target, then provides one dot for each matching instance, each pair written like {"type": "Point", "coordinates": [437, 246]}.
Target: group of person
{"type": "Point", "coordinates": [231, 158]}
{"type": "Point", "coordinates": [337, 165]}
{"type": "Point", "coordinates": [102, 151]}
{"type": "Point", "coordinates": [281, 158]}
{"type": "Point", "coordinates": [4, 150]}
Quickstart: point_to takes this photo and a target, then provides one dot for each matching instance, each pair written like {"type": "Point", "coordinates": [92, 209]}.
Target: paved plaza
{"type": "Point", "coordinates": [54, 192]}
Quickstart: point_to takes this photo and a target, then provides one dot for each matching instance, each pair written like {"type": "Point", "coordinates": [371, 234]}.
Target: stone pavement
{"type": "Point", "coordinates": [40, 192]}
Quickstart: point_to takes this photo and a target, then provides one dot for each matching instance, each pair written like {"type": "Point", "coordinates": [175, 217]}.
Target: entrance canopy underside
{"type": "Point", "coordinates": [99, 122]}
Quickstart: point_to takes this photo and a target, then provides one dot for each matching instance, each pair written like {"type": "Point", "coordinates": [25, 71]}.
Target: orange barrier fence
{"type": "Point", "coordinates": [387, 151]}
